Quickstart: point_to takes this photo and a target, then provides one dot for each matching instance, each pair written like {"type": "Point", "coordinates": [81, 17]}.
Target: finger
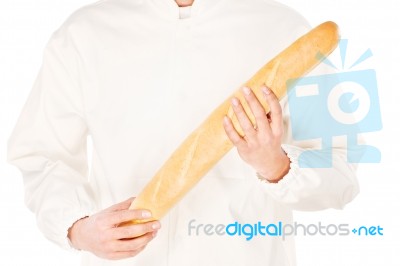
{"type": "Point", "coordinates": [257, 109]}
{"type": "Point", "coordinates": [133, 244]}
{"type": "Point", "coordinates": [135, 230]}
{"type": "Point", "coordinates": [124, 205]}
{"type": "Point", "coordinates": [118, 217]}
{"type": "Point", "coordinates": [243, 119]}
{"type": "Point", "coordinates": [276, 110]}
{"type": "Point", "coordinates": [232, 134]}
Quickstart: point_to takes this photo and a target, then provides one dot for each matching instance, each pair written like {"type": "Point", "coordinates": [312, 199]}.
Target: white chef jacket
{"type": "Point", "coordinates": [137, 77]}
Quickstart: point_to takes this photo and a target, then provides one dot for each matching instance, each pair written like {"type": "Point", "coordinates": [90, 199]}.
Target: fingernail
{"type": "Point", "coordinates": [146, 214]}
{"type": "Point", "coordinates": [246, 90]}
{"type": "Point", "coordinates": [156, 225]}
{"type": "Point", "coordinates": [266, 90]}
{"type": "Point", "coordinates": [235, 101]}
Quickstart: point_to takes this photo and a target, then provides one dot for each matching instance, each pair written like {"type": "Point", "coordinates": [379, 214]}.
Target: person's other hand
{"type": "Point", "coordinates": [261, 144]}
{"type": "Point", "coordinates": [101, 235]}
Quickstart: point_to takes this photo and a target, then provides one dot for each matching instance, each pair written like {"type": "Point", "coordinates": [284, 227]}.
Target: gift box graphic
{"type": "Point", "coordinates": [331, 105]}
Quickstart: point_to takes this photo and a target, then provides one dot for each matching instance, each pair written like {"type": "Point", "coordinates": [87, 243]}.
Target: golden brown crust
{"type": "Point", "coordinates": [205, 146]}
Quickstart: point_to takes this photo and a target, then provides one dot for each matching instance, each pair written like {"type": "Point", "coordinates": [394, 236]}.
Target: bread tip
{"type": "Point", "coordinates": [331, 26]}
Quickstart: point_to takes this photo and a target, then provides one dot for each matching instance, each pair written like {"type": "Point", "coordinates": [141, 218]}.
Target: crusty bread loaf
{"type": "Point", "coordinates": [206, 145]}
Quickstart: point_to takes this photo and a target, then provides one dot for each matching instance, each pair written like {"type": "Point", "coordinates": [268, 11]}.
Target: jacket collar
{"type": "Point", "coordinates": [171, 8]}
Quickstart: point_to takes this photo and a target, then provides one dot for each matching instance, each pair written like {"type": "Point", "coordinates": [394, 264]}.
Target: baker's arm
{"type": "Point", "coordinates": [311, 189]}
{"type": "Point", "coordinates": [48, 143]}
{"type": "Point", "coordinates": [314, 188]}
{"type": "Point", "coordinates": [331, 181]}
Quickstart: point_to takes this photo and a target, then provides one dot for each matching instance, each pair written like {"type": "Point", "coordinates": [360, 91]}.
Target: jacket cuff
{"type": "Point", "coordinates": [278, 189]}
{"type": "Point", "coordinates": [66, 242]}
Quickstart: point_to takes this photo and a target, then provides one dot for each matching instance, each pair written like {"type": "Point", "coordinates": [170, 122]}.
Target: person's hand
{"type": "Point", "coordinates": [101, 235]}
{"type": "Point", "coordinates": [261, 144]}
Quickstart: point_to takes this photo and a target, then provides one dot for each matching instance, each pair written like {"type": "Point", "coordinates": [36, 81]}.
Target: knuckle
{"type": "Point", "coordinates": [261, 117]}
{"type": "Point", "coordinates": [122, 232]}
{"type": "Point", "coordinates": [236, 142]}
{"type": "Point", "coordinates": [120, 216]}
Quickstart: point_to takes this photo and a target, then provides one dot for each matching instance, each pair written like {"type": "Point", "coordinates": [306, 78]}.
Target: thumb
{"type": "Point", "coordinates": [124, 205]}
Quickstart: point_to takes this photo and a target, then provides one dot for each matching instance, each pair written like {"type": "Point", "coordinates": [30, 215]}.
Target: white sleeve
{"type": "Point", "coordinates": [48, 143]}
{"type": "Point", "coordinates": [314, 188]}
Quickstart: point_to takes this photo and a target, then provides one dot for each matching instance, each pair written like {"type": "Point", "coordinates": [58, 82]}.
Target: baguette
{"type": "Point", "coordinates": [206, 145]}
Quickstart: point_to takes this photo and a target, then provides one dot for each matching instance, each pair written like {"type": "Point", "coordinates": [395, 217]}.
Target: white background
{"type": "Point", "coordinates": [25, 27]}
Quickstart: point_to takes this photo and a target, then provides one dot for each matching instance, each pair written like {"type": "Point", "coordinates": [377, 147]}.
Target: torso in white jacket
{"type": "Point", "coordinates": [137, 79]}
